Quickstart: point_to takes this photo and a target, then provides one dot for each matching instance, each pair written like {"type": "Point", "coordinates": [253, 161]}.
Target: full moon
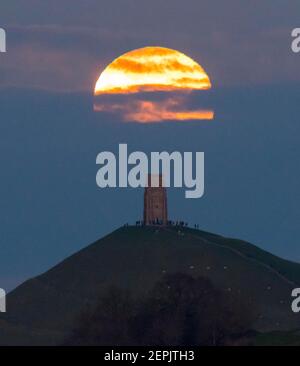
{"type": "Point", "coordinates": [152, 84]}
{"type": "Point", "coordinates": [152, 69]}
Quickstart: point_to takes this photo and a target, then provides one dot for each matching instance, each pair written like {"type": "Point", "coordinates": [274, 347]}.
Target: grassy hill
{"type": "Point", "coordinates": [42, 310]}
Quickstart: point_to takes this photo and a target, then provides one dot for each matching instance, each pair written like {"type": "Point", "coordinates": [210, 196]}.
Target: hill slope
{"type": "Point", "coordinates": [42, 310]}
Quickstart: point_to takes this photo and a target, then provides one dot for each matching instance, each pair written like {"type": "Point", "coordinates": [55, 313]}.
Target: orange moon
{"type": "Point", "coordinates": [147, 71]}
{"type": "Point", "coordinates": [152, 69]}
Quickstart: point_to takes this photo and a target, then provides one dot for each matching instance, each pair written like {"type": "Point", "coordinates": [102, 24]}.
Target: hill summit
{"type": "Point", "coordinates": [42, 310]}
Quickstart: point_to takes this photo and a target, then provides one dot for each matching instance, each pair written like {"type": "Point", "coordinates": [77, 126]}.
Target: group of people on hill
{"type": "Point", "coordinates": [158, 222]}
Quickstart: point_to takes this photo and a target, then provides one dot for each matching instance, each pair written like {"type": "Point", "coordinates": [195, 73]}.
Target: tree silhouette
{"type": "Point", "coordinates": [179, 311]}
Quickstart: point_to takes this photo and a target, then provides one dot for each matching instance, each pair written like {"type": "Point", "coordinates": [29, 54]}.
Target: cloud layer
{"type": "Point", "coordinates": [146, 110]}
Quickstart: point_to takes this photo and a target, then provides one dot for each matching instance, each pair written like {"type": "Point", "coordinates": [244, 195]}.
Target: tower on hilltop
{"type": "Point", "coordinates": [155, 202]}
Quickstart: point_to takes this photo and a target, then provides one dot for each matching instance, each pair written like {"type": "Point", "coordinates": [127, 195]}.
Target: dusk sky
{"type": "Point", "coordinates": [50, 135]}
{"type": "Point", "coordinates": [64, 45]}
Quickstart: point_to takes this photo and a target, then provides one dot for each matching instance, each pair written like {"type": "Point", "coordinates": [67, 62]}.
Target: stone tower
{"type": "Point", "coordinates": [155, 202]}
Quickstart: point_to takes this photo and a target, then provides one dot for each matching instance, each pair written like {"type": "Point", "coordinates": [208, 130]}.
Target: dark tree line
{"type": "Point", "coordinates": [179, 311]}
